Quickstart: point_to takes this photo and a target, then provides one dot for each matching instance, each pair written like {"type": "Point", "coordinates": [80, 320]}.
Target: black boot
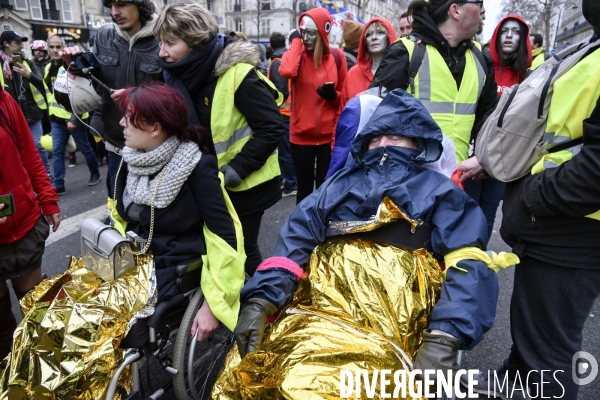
{"type": "Point", "coordinates": [8, 324]}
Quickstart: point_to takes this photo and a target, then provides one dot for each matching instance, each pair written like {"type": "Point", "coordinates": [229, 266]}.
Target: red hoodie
{"type": "Point", "coordinates": [360, 77]}
{"type": "Point", "coordinates": [508, 77]}
{"type": "Point", "coordinates": [313, 118]}
{"type": "Point", "coordinates": [22, 173]}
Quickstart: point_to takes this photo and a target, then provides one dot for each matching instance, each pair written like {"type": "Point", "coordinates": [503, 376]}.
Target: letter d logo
{"type": "Point", "coordinates": [581, 364]}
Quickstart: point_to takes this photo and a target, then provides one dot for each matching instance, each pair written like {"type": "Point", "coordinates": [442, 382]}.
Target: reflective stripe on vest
{"type": "Point", "coordinates": [2, 80]}
{"type": "Point", "coordinates": [230, 129]}
{"type": "Point", "coordinates": [54, 108]}
{"type": "Point", "coordinates": [537, 61]}
{"type": "Point", "coordinates": [453, 109]}
{"type": "Point", "coordinates": [37, 95]}
{"type": "Point", "coordinates": [286, 107]}
{"type": "Point", "coordinates": [574, 99]}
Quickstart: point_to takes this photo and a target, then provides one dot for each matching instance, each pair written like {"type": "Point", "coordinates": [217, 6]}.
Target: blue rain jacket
{"type": "Point", "coordinates": [467, 306]}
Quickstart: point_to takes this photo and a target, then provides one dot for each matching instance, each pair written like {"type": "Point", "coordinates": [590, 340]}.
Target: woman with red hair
{"type": "Point", "coordinates": [375, 39]}
{"type": "Point", "coordinates": [168, 188]}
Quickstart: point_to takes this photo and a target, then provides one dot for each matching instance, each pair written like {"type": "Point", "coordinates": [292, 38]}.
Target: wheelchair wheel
{"type": "Point", "coordinates": [198, 363]}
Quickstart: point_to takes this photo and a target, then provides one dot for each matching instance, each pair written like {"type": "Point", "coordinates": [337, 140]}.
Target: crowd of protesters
{"type": "Point", "coordinates": [268, 120]}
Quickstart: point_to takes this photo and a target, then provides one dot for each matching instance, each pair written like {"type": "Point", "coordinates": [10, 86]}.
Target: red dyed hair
{"type": "Point", "coordinates": [156, 103]}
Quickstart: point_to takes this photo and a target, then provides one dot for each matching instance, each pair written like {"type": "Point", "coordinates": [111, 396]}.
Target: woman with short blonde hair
{"type": "Point", "coordinates": [245, 124]}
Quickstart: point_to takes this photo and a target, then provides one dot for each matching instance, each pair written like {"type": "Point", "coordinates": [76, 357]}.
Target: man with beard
{"type": "Point", "coordinates": [455, 79]}
{"type": "Point", "coordinates": [128, 55]}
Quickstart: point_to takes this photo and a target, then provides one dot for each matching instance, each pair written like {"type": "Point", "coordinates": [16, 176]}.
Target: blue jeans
{"type": "Point", "coordinates": [60, 136]}
{"type": "Point", "coordinates": [285, 159]}
{"type": "Point", "coordinates": [114, 160]}
{"type": "Point", "coordinates": [37, 132]}
{"type": "Point", "coordinates": [487, 193]}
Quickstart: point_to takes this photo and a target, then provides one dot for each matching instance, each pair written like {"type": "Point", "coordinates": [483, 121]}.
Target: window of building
{"type": "Point", "coordinates": [67, 15]}
{"type": "Point", "coordinates": [237, 6]}
{"type": "Point", "coordinates": [228, 5]}
{"type": "Point", "coordinates": [209, 5]}
{"type": "Point", "coordinates": [238, 25]}
{"type": "Point", "coordinates": [36, 10]}
{"type": "Point", "coordinates": [265, 26]}
{"type": "Point", "coordinates": [265, 4]}
{"type": "Point", "coordinates": [21, 5]}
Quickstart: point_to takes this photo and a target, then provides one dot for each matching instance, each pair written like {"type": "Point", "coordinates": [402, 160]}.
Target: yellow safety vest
{"type": "Point", "coordinates": [37, 95]}
{"type": "Point", "coordinates": [230, 130]}
{"type": "Point", "coordinates": [537, 61]}
{"type": "Point", "coordinates": [574, 99]}
{"type": "Point", "coordinates": [453, 109]}
{"type": "Point", "coordinates": [2, 80]}
{"type": "Point", "coordinates": [56, 109]}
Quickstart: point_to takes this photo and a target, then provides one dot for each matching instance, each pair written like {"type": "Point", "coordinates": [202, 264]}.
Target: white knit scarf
{"type": "Point", "coordinates": [178, 158]}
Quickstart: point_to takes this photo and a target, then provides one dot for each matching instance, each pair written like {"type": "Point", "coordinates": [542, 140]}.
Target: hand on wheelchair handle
{"type": "Point", "coordinates": [205, 323]}
{"type": "Point", "coordinates": [250, 328]}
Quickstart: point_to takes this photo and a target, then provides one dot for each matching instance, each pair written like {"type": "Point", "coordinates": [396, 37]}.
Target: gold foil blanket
{"type": "Point", "coordinates": [67, 346]}
{"type": "Point", "coordinates": [364, 306]}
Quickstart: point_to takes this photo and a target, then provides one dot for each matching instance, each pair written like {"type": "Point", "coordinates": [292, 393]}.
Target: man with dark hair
{"type": "Point", "coordinates": [23, 81]}
{"type": "Point", "coordinates": [288, 175]}
{"type": "Point", "coordinates": [537, 51]}
{"type": "Point", "coordinates": [405, 25]}
{"type": "Point", "coordinates": [128, 55]}
{"type": "Point", "coordinates": [455, 79]}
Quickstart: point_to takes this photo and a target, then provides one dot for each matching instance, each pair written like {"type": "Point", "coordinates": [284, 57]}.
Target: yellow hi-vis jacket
{"type": "Point", "coordinates": [575, 96]}
{"type": "Point", "coordinates": [453, 109]}
{"type": "Point", "coordinates": [537, 59]}
{"type": "Point", "coordinates": [230, 130]}
{"type": "Point", "coordinates": [54, 108]}
{"type": "Point", "coordinates": [37, 95]}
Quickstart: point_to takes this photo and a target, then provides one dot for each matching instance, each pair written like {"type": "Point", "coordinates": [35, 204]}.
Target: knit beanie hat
{"type": "Point", "coordinates": [352, 32]}
{"type": "Point", "coordinates": [106, 3]}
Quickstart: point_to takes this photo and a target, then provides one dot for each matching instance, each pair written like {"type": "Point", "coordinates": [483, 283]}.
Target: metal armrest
{"type": "Point", "coordinates": [162, 307]}
{"type": "Point", "coordinates": [188, 266]}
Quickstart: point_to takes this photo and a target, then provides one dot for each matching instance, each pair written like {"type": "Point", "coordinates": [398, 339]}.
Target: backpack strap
{"type": "Point", "coordinates": [415, 61]}
{"type": "Point", "coordinates": [566, 145]}
{"type": "Point", "coordinates": [336, 56]}
{"type": "Point", "coordinates": [479, 57]}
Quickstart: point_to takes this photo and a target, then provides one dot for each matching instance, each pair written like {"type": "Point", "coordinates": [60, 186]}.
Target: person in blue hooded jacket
{"type": "Point", "coordinates": [390, 152]}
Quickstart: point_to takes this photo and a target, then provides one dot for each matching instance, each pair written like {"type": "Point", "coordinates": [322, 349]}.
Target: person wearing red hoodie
{"type": "Point", "coordinates": [511, 51]}
{"type": "Point", "coordinates": [22, 234]}
{"type": "Point", "coordinates": [318, 75]}
{"type": "Point", "coordinates": [375, 39]}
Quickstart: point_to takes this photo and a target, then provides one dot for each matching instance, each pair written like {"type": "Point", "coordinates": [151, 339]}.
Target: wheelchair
{"type": "Point", "coordinates": [192, 364]}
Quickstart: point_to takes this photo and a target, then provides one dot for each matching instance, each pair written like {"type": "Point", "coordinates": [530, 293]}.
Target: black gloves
{"type": "Point", "coordinates": [293, 35]}
{"type": "Point", "coordinates": [230, 177]}
{"type": "Point", "coordinates": [327, 92]}
{"type": "Point", "coordinates": [437, 352]}
{"type": "Point", "coordinates": [250, 328]}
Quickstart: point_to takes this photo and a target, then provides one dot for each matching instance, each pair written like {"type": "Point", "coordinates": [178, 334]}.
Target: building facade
{"type": "Point", "coordinates": [572, 26]}
{"type": "Point", "coordinates": [259, 18]}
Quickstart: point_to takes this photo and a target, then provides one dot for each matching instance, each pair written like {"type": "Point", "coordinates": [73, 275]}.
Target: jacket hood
{"type": "Point", "coordinates": [365, 65]}
{"type": "Point", "coordinates": [324, 22]}
{"type": "Point", "coordinates": [237, 52]}
{"type": "Point", "coordinates": [277, 53]}
{"type": "Point", "coordinates": [146, 31]}
{"type": "Point", "coordinates": [496, 35]}
{"type": "Point", "coordinates": [399, 113]}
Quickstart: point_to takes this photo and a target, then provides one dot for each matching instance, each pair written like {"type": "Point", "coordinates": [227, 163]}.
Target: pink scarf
{"type": "Point", "coordinates": [6, 60]}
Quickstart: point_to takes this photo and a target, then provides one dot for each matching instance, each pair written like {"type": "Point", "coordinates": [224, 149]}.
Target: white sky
{"type": "Point", "coordinates": [493, 9]}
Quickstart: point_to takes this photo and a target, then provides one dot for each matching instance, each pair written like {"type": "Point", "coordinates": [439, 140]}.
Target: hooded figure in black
{"type": "Point", "coordinates": [551, 220]}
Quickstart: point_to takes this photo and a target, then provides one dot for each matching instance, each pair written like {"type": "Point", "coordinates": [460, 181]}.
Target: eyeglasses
{"type": "Point", "coordinates": [479, 3]}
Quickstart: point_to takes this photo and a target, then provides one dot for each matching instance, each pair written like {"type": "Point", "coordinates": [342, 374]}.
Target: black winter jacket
{"type": "Point", "coordinates": [544, 214]}
{"type": "Point", "coordinates": [393, 70]}
{"type": "Point", "coordinates": [254, 100]}
{"type": "Point", "coordinates": [124, 65]}
{"type": "Point", "coordinates": [279, 81]}
{"type": "Point", "coordinates": [19, 83]}
{"type": "Point", "coordinates": [178, 228]}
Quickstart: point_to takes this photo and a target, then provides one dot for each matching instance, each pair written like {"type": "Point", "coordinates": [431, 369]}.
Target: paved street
{"type": "Point", "coordinates": [82, 199]}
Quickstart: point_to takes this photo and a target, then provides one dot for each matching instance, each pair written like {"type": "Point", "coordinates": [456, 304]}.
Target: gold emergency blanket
{"type": "Point", "coordinates": [364, 306]}
{"type": "Point", "coordinates": [67, 346]}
